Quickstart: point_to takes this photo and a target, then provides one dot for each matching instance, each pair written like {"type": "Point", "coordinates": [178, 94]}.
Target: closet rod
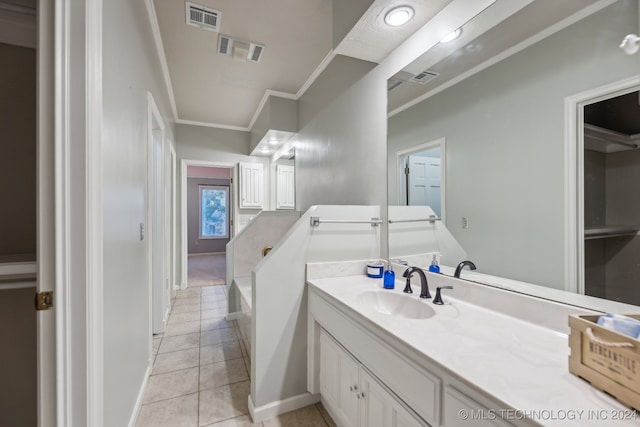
{"type": "Point", "coordinates": [611, 141]}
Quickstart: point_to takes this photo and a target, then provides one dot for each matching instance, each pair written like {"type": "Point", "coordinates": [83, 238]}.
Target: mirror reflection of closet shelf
{"type": "Point", "coordinates": [608, 141]}
{"type": "Point", "coordinates": [608, 231]}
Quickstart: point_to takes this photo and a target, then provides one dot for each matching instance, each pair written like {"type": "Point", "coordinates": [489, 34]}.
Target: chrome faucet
{"type": "Point", "coordinates": [424, 286]}
{"type": "Point", "coordinates": [462, 265]}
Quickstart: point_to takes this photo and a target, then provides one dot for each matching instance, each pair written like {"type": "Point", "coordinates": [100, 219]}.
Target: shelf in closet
{"type": "Point", "coordinates": [17, 271]}
{"type": "Point", "coordinates": [608, 231]}
{"type": "Point", "coordinates": [608, 141]}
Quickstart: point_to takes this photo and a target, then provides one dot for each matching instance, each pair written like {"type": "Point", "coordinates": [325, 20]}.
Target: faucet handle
{"type": "Point", "coordinates": [438, 297]}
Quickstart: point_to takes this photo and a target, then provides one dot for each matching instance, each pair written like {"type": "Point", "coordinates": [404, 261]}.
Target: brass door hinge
{"type": "Point", "coordinates": [44, 300]}
{"type": "Point", "coordinates": [406, 171]}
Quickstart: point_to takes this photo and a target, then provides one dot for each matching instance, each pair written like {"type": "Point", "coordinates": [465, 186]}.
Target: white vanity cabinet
{"type": "Point", "coordinates": [353, 395]}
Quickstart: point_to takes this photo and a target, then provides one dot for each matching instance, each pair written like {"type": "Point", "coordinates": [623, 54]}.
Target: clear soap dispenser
{"type": "Point", "coordinates": [434, 267]}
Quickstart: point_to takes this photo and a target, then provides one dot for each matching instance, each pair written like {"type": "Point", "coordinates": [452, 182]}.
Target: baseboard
{"type": "Point", "coordinates": [143, 388]}
{"type": "Point", "coordinates": [276, 408]}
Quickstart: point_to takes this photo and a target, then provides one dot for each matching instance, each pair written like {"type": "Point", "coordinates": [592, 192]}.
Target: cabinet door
{"type": "Point", "coordinates": [251, 185]}
{"type": "Point", "coordinates": [380, 408]}
{"type": "Point", "coordinates": [339, 381]}
{"type": "Point", "coordinates": [285, 191]}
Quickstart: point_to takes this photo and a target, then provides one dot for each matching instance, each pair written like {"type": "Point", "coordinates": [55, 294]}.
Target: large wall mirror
{"type": "Point", "coordinates": [524, 128]}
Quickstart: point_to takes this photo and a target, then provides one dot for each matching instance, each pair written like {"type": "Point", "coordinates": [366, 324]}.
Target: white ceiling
{"type": "Point", "coordinates": [211, 89]}
{"type": "Point", "coordinates": [216, 89]}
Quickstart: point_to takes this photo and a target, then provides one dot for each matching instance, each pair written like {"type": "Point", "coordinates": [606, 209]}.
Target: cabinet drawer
{"type": "Point", "coordinates": [462, 411]}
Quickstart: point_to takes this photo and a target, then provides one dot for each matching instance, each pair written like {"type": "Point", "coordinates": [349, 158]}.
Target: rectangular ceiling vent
{"type": "Point", "coordinates": [255, 52]}
{"type": "Point", "coordinates": [225, 44]}
{"type": "Point", "coordinates": [424, 77]}
{"type": "Point", "coordinates": [203, 17]}
{"type": "Point", "coordinates": [240, 50]}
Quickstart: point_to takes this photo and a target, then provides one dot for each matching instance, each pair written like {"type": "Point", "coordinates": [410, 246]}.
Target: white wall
{"type": "Point", "coordinates": [130, 69]}
{"type": "Point", "coordinates": [279, 305]}
{"type": "Point", "coordinates": [505, 144]}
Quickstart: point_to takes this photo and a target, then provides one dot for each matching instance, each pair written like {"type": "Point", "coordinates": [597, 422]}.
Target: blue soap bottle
{"type": "Point", "coordinates": [434, 267]}
{"type": "Point", "coordinates": [389, 280]}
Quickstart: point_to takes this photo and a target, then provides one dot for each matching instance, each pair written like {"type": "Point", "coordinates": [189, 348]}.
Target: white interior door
{"type": "Point", "coordinates": [424, 182]}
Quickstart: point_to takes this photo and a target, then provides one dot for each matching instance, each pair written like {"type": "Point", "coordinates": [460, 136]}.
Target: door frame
{"type": "Point", "coordinates": [184, 245]}
{"type": "Point", "coordinates": [574, 175]}
{"type": "Point", "coordinates": [156, 221]}
{"type": "Point", "coordinates": [77, 115]}
{"type": "Point", "coordinates": [400, 158]}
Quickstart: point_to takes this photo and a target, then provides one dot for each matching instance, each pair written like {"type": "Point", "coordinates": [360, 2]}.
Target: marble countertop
{"type": "Point", "coordinates": [521, 364]}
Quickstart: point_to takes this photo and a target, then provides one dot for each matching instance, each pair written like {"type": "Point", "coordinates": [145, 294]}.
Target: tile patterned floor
{"type": "Point", "coordinates": [201, 371]}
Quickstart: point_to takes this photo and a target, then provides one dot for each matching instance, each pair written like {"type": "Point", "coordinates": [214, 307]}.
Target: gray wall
{"type": "Point", "coordinates": [130, 69]}
{"type": "Point", "coordinates": [340, 147]}
{"type": "Point", "coordinates": [18, 143]}
{"type": "Point", "coordinates": [504, 130]}
{"type": "Point", "coordinates": [195, 244]}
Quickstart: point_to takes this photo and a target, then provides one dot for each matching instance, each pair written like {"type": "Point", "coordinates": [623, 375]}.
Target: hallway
{"type": "Point", "coordinates": [201, 371]}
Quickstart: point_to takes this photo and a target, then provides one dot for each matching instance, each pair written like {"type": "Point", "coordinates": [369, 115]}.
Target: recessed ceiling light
{"type": "Point", "coordinates": [273, 141]}
{"type": "Point", "coordinates": [452, 36]}
{"type": "Point", "coordinates": [265, 149]}
{"type": "Point", "coordinates": [398, 16]}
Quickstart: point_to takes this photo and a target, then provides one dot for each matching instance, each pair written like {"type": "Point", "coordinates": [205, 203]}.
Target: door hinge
{"type": "Point", "coordinates": [44, 300]}
{"type": "Point", "coordinates": [406, 171]}
{"type": "Point", "coordinates": [231, 223]}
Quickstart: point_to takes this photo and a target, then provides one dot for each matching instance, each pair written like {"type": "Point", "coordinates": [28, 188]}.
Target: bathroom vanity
{"type": "Point", "coordinates": [381, 357]}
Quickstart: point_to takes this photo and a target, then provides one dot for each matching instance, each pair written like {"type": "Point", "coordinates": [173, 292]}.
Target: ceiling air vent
{"type": "Point", "coordinates": [255, 52]}
{"type": "Point", "coordinates": [203, 17]}
{"type": "Point", "coordinates": [240, 50]}
{"type": "Point", "coordinates": [225, 44]}
{"type": "Point", "coordinates": [424, 77]}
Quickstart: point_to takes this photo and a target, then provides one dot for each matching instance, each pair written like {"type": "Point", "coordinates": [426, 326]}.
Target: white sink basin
{"type": "Point", "coordinates": [395, 304]}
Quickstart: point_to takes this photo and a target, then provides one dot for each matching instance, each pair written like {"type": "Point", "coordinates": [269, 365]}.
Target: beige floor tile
{"type": "Point", "coordinates": [172, 384]}
{"type": "Point", "coordinates": [179, 342]}
{"type": "Point", "coordinates": [176, 360]}
{"type": "Point", "coordinates": [219, 352]}
{"type": "Point", "coordinates": [308, 416]}
{"type": "Point", "coordinates": [243, 421]}
{"type": "Point", "coordinates": [213, 313]}
{"type": "Point", "coordinates": [214, 323]}
{"type": "Point", "coordinates": [222, 403]}
{"type": "Point", "coordinates": [185, 308]}
{"type": "Point", "coordinates": [215, 336]}
{"type": "Point", "coordinates": [213, 298]}
{"type": "Point", "coordinates": [214, 290]}
{"type": "Point", "coordinates": [210, 305]}
{"type": "Point", "coordinates": [325, 415]}
{"type": "Point", "coordinates": [184, 317]}
{"type": "Point", "coordinates": [182, 328]}
{"type": "Point", "coordinates": [222, 373]}
{"type": "Point", "coordinates": [195, 299]}
{"type": "Point", "coordinates": [188, 293]}
{"type": "Point", "coordinates": [177, 412]}
{"type": "Point", "coordinates": [156, 345]}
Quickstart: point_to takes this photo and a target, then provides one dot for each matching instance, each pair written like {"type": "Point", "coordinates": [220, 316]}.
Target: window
{"type": "Point", "coordinates": [214, 212]}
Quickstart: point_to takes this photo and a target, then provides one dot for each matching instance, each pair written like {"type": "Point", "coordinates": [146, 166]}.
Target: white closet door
{"type": "Point", "coordinates": [285, 192]}
{"type": "Point", "coordinates": [251, 185]}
